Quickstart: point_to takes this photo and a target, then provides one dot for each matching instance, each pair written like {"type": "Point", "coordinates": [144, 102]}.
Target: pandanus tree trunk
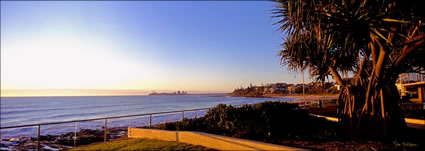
{"type": "Point", "coordinates": [370, 104]}
{"type": "Point", "coordinates": [377, 114]}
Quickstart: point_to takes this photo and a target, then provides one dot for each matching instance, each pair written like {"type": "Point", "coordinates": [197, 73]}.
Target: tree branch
{"type": "Point", "coordinates": [381, 60]}
{"type": "Point", "coordinates": [359, 75]}
{"type": "Point", "coordinates": [373, 51]}
{"type": "Point", "coordinates": [336, 76]}
{"type": "Point", "coordinates": [420, 39]}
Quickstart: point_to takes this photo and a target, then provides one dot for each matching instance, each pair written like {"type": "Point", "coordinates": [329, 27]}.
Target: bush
{"type": "Point", "coordinates": [263, 121]}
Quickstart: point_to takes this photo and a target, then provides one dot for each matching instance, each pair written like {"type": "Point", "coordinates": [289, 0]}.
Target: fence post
{"type": "Point", "coordinates": [105, 131]}
{"type": "Point", "coordinates": [150, 120]}
{"type": "Point", "coordinates": [38, 138]}
{"type": "Point", "coordinates": [129, 127]}
{"type": "Point", "coordinates": [75, 135]}
{"type": "Point", "coordinates": [196, 114]}
{"type": "Point", "coordinates": [182, 116]}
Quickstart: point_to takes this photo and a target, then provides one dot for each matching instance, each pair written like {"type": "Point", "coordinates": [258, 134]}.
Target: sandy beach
{"type": "Point", "coordinates": [306, 97]}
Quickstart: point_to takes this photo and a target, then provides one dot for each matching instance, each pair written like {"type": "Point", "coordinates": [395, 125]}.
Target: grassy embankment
{"type": "Point", "coordinates": [141, 144]}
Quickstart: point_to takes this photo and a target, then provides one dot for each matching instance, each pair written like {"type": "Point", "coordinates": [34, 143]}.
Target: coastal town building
{"type": "Point", "coordinates": [291, 89]}
{"type": "Point", "coordinates": [284, 88]}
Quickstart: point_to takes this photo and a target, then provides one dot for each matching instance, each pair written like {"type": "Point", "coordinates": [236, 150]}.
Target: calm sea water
{"type": "Point", "coordinates": [33, 110]}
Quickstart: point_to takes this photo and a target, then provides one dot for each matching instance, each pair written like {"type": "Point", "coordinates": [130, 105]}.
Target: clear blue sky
{"type": "Point", "coordinates": [145, 45]}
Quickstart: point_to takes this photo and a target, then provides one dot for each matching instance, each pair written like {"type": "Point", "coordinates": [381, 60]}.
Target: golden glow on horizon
{"type": "Point", "coordinates": [84, 92]}
{"type": "Point", "coordinates": [69, 92]}
{"type": "Point", "coordinates": [60, 62]}
{"type": "Point", "coordinates": [36, 65]}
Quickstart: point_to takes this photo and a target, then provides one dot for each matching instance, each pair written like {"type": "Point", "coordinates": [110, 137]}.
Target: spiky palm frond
{"type": "Point", "coordinates": [323, 30]}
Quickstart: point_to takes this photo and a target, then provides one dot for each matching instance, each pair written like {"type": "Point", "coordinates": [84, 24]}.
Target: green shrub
{"type": "Point", "coordinates": [263, 121]}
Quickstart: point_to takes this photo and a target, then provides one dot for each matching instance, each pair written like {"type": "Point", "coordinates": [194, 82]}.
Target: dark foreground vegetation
{"type": "Point", "coordinates": [283, 123]}
{"type": "Point", "coordinates": [263, 121]}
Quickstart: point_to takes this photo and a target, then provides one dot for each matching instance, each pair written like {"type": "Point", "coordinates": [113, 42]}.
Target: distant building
{"type": "Point", "coordinates": [258, 88]}
{"type": "Point", "coordinates": [338, 87]}
{"type": "Point", "coordinates": [291, 89]}
{"type": "Point", "coordinates": [275, 88]}
{"type": "Point", "coordinates": [281, 87]}
{"type": "Point", "coordinates": [268, 89]}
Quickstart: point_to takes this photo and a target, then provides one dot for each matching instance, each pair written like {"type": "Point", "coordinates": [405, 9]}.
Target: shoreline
{"type": "Point", "coordinates": [307, 97]}
{"type": "Point", "coordinates": [297, 97]}
{"type": "Point", "coordinates": [53, 139]}
{"type": "Point", "coordinates": [90, 136]}
{"type": "Point", "coordinates": [63, 141]}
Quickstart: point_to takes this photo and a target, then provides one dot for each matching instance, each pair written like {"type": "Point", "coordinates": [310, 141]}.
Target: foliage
{"type": "Point", "coordinates": [263, 121]}
{"type": "Point", "coordinates": [321, 88]}
{"type": "Point", "coordinates": [338, 33]}
{"type": "Point", "coordinates": [374, 40]}
{"type": "Point", "coordinates": [141, 144]}
{"type": "Point", "coordinates": [248, 92]}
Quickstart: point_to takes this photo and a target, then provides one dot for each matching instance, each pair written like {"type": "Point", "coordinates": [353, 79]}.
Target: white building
{"type": "Point", "coordinates": [412, 86]}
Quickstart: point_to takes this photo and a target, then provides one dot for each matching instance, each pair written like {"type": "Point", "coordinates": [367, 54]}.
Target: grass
{"type": "Point", "coordinates": [141, 144]}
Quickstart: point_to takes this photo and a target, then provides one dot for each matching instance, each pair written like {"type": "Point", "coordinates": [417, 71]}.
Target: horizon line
{"type": "Point", "coordinates": [63, 92]}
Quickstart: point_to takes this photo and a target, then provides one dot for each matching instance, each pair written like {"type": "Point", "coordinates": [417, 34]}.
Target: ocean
{"type": "Point", "coordinates": [34, 110]}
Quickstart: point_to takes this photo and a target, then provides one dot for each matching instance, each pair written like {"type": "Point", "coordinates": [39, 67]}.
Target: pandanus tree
{"type": "Point", "coordinates": [371, 40]}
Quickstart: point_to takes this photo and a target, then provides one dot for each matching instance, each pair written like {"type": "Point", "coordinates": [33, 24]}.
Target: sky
{"type": "Point", "coordinates": [134, 46]}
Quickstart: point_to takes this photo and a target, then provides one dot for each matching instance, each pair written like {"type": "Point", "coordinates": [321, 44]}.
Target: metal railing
{"type": "Point", "coordinates": [300, 103]}
{"type": "Point", "coordinates": [105, 120]}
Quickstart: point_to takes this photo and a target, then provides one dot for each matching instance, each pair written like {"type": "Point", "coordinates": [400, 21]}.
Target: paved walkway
{"type": "Point", "coordinates": [205, 139]}
{"type": "Point", "coordinates": [412, 123]}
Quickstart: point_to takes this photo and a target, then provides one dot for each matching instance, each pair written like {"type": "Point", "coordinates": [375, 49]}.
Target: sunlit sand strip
{"type": "Point", "coordinates": [415, 123]}
{"type": "Point", "coordinates": [412, 123]}
{"type": "Point", "coordinates": [333, 119]}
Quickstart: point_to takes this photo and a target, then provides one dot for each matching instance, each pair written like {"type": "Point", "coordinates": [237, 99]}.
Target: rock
{"type": "Point", "coordinates": [63, 141]}
{"type": "Point", "coordinates": [6, 143]}
{"type": "Point", "coordinates": [50, 148]}
{"type": "Point", "coordinates": [48, 138]}
{"type": "Point", "coordinates": [15, 139]}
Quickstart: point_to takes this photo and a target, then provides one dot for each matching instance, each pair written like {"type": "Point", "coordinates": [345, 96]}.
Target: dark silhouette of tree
{"type": "Point", "coordinates": [374, 40]}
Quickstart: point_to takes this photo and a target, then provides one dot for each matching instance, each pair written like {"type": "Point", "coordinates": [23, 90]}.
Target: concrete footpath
{"type": "Point", "coordinates": [205, 139]}
{"type": "Point", "coordinates": [411, 123]}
